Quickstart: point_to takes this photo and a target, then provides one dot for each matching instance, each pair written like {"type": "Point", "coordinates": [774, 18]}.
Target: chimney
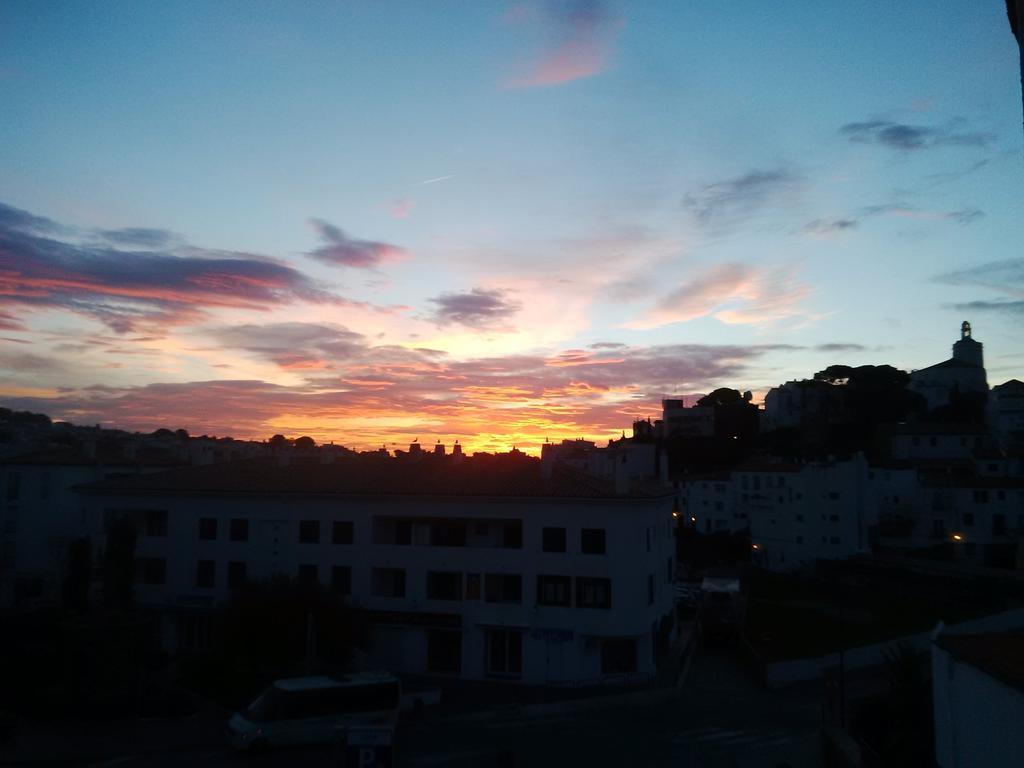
{"type": "Point", "coordinates": [439, 449]}
{"type": "Point", "coordinates": [457, 454]}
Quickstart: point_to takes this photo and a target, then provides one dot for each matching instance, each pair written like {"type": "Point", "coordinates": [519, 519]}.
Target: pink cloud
{"type": "Point", "coordinates": [400, 209]}
{"type": "Point", "coordinates": [581, 41]}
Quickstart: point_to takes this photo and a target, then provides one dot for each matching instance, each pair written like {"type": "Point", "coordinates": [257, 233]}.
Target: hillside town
{"type": "Point", "coordinates": [592, 571]}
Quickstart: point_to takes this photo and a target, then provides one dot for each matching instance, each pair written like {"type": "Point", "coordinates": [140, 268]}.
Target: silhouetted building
{"type": "Point", "coordinates": [962, 374]}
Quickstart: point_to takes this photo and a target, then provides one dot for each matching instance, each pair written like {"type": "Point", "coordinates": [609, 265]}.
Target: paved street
{"type": "Point", "coordinates": [721, 716]}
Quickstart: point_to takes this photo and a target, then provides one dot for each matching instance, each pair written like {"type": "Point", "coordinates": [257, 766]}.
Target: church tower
{"type": "Point", "coordinates": [967, 350]}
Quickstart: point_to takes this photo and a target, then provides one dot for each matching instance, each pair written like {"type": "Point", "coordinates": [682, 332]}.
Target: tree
{"type": "Point", "coordinates": [78, 575]}
{"type": "Point", "coordinates": [723, 396]}
{"type": "Point", "coordinates": [181, 434]}
{"type": "Point", "coordinates": [278, 441]}
{"type": "Point", "coordinates": [119, 563]}
{"type": "Point", "coordinates": [305, 443]}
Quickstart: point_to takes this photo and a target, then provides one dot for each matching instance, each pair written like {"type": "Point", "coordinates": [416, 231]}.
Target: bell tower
{"type": "Point", "coordinates": [967, 350]}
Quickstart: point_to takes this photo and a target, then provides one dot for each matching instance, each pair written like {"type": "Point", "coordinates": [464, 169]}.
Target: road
{"type": "Point", "coordinates": [722, 717]}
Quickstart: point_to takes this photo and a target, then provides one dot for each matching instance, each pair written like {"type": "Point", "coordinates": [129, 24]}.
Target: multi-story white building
{"type": "Point", "coordinates": [479, 568]}
{"type": "Point", "coordinates": [40, 513]}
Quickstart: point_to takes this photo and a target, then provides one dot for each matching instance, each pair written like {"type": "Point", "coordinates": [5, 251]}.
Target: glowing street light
{"type": "Point", "coordinates": [957, 537]}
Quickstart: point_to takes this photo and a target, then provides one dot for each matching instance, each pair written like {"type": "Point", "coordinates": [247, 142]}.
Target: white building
{"type": "Point", "coordinates": [978, 699]}
{"type": "Point", "coordinates": [480, 568]}
{"type": "Point", "coordinates": [963, 373]}
{"type": "Point", "coordinates": [1006, 413]}
{"type": "Point", "coordinates": [40, 513]}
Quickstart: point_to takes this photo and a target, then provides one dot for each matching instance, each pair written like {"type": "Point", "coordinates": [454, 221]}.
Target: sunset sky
{"type": "Point", "coordinates": [370, 222]}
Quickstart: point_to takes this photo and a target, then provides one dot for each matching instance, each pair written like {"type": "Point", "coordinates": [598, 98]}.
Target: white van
{"type": "Point", "coordinates": [308, 710]}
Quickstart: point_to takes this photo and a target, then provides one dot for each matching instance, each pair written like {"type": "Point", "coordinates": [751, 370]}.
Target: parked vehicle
{"type": "Point", "coordinates": [309, 710]}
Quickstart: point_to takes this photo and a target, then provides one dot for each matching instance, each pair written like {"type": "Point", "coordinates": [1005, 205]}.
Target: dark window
{"type": "Point", "coordinates": [834, 540]}
{"type": "Point", "coordinates": [981, 497]}
{"type": "Point", "coordinates": [650, 589]}
{"type": "Point", "coordinates": [156, 522]}
{"type": "Point", "coordinates": [341, 579]}
{"type": "Point", "coordinates": [472, 586]}
{"type": "Point", "coordinates": [668, 570]}
{"type": "Point", "coordinates": [403, 533]}
{"type": "Point", "coordinates": [554, 590]}
{"type": "Point", "coordinates": [206, 572]}
{"type": "Point", "coordinates": [236, 574]}
{"type": "Point", "coordinates": [998, 525]}
{"type": "Point", "coordinates": [968, 519]}
{"type": "Point", "coordinates": [13, 486]}
{"type": "Point", "coordinates": [444, 651]}
{"type": "Point", "coordinates": [553, 539]}
{"type": "Point", "coordinates": [388, 582]}
{"type": "Point", "coordinates": [504, 652]}
{"type": "Point", "coordinates": [512, 535]}
{"type": "Point", "coordinates": [151, 570]}
{"type": "Point", "coordinates": [309, 531]}
{"type": "Point", "coordinates": [308, 574]}
{"type": "Point", "coordinates": [833, 495]}
{"type": "Point", "coordinates": [444, 585]}
{"type": "Point", "coordinates": [618, 656]}
{"type": "Point", "coordinates": [448, 534]}
{"type": "Point", "coordinates": [341, 532]}
{"type": "Point", "coordinates": [593, 593]}
{"type": "Point", "coordinates": [938, 528]}
{"type": "Point", "coordinates": [208, 528]}
{"type": "Point", "coordinates": [239, 529]}
{"type": "Point", "coordinates": [592, 541]}
{"type": "Point", "coordinates": [503, 588]}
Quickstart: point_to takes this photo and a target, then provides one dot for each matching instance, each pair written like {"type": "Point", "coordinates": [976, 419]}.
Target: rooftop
{"type": "Point", "coordinates": [998, 654]}
{"type": "Point", "coordinates": [375, 475]}
{"type": "Point", "coordinates": [72, 456]}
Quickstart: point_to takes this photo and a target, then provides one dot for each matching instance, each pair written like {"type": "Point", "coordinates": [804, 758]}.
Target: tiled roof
{"type": "Point", "coordinates": [377, 476]}
{"type": "Point", "coordinates": [998, 654]}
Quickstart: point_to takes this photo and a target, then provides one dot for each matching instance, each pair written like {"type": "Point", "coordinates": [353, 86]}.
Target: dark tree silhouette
{"type": "Point", "coordinates": [305, 443]}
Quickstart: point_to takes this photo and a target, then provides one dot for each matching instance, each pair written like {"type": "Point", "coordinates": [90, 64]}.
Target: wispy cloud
{"type": "Point", "coordinates": [904, 137]}
{"type": "Point", "coordinates": [400, 209]}
{"type": "Point", "coordinates": [343, 251]}
{"type": "Point", "coordinates": [829, 227]}
{"type": "Point", "coordinates": [478, 308]}
{"type": "Point", "coordinates": [838, 347]}
{"type": "Point", "coordinates": [580, 41]}
{"type": "Point", "coordinates": [967, 215]}
{"type": "Point", "coordinates": [294, 345]}
{"type": "Point", "coordinates": [730, 201]}
{"type": "Point", "coordinates": [1005, 277]}
{"type": "Point", "coordinates": [733, 293]}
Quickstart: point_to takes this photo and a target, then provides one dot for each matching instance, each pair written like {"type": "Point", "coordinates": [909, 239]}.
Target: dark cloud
{"type": "Point", "coordinates": [734, 199]}
{"type": "Point", "coordinates": [343, 251]}
{"type": "Point", "coordinates": [908, 138]}
{"type": "Point", "coordinates": [143, 237]}
{"type": "Point", "coordinates": [478, 308]}
{"type": "Point", "coordinates": [829, 226]}
{"type": "Point", "coordinates": [836, 347]}
{"type": "Point", "coordinates": [1010, 306]}
{"type": "Point", "coordinates": [1005, 275]}
{"type": "Point", "coordinates": [295, 345]}
{"type": "Point", "coordinates": [126, 289]}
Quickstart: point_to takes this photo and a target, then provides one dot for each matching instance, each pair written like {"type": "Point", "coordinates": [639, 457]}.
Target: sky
{"type": "Point", "coordinates": [498, 222]}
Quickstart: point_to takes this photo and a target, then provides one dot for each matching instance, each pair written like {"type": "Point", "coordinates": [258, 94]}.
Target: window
{"type": "Point", "coordinates": [834, 540]}
{"type": "Point", "coordinates": [444, 651]}
{"type": "Point", "coordinates": [668, 570]}
{"type": "Point", "coordinates": [593, 593]}
{"type": "Point", "coordinates": [206, 571]}
{"type": "Point", "coordinates": [156, 522]}
{"type": "Point", "coordinates": [512, 535]}
{"type": "Point", "coordinates": [592, 541]}
{"type": "Point", "coordinates": [833, 495]}
{"type": "Point", "coordinates": [151, 570]}
{"type": "Point", "coordinates": [933, 441]}
{"type": "Point", "coordinates": [504, 652]}
{"type": "Point", "coordinates": [309, 574]}
{"type": "Point", "coordinates": [799, 518]}
{"type": "Point", "coordinates": [388, 582]}
{"type": "Point", "coordinates": [237, 574]}
{"type": "Point", "coordinates": [799, 539]}
{"type": "Point", "coordinates": [341, 532]}
{"type": "Point", "coordinates": [403, 533]}
{"type": "Point", "coordinates": [553, 539]}
{"type": "Point", "coordinates": [554, 590]}
{"type": "Point", "coordinates": [618, 656]}
{"type": "Point", "coordinates": [13, 486]}
{"type": "Point", "coordinates": [833, 518]}
{"type": "Point", "coordinates": [208, 528]}
{"type": "Point", "coordinates": [998, 525]}
{"type": "Point", "coordinates": [239, 530]}
{"type": "Point", "coordinates": [444, 585]}
{"type": "Point", "coordinates": [341, 579]}
{"type": "Point", "coordinates": [968, 519]}
{"type": "Point", "coordinates": [309, 531]}
{"type": "Point", "coordinates": [503, 588]}
{"type": "Point", "coordinates": [650, 589]}
{"type": "Point", "coordinates": [448, 534]}
{"type": "Point", "coordinates": [981, 497]}
{"type": "Point", "coordinates": [472, 586]}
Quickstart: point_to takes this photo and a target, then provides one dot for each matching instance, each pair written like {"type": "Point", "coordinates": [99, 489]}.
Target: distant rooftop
{"type": "Point", "coordinates": [71, 456]}
{"type": "Point", "coordinates": [375, 475]}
